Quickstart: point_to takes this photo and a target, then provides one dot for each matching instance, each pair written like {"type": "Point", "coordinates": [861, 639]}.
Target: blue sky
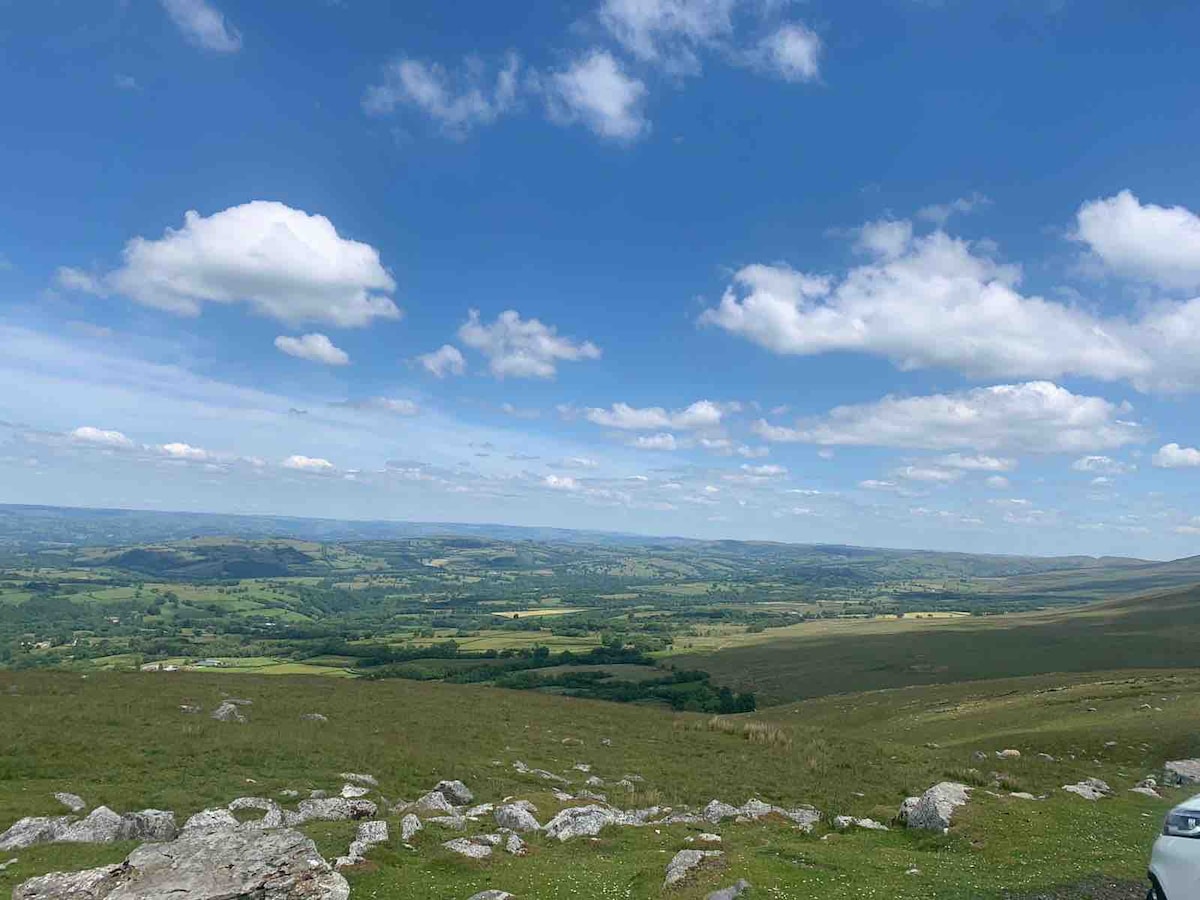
{"type": "Point", "coordinates": [895, 273]}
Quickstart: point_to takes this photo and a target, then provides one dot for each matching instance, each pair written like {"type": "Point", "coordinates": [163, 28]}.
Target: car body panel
{"type": "Point", "coordinates": [1175, 862]}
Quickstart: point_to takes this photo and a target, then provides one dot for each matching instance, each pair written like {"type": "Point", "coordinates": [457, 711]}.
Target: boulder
{"type": "Point", "coordinates": [369, 834]}
{"type": "Point", "coordinates": [73, 802]}
{"type": "Point", "coordinates": [843, 822]}
{"type": "Point", "coordinates": [211, 819]}
{"type": "Point", "coordinates": [469, 848]}
{"type": "Point", "coordinates": [203, 865]}
{"type": "Point", "coordinates": [409, 826]}
{"type": "Point", "coordinates": [1089, 789]}
{"type": "Point", "coordinates": [730, 893]}
{"type": "Point", "coordinates": [580, 821]}
{"type": "Point", "coordinates": [934, 808]}
{"type": "Point", "coordinates": [491, 895]}
{"type": "Point", "coordinates": [354, 791]}
{"type": "Point", "coordinates": [684, 862]}
{"type": "Point", "coordinates": [717, 810]}
{"type": "Point", "coordinates": [906, 808]}
{"type": "Point", "coordinates": [454, 791]}
{"type": "Point", "coordinates": [435, 802]}
{"type": "Point", "coordinates": [516, 818]}
{"type": "Point", "coordinates": [313, 717]}
{"type": "Point", "coordinates": [333, 809]}
{"type": "Point", "coordinates": [35, 830]}
{"type": "Point", "coordinates": [805, 817]}
{"type": "Point", "coordinates": [359, 778]}
{"type": "Point", "coordinates": [103, 826]}
{"type": "Point", "coordinates": [1181, 771]}
{"type": "Point", "coordinates": [228, 712]}
{"type": "Point", "coordinates": [515, 845]}
{"type": "Point", "coordinates": [272, 814]}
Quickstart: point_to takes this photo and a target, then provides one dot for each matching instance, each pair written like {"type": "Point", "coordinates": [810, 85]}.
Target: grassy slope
{"type": "Point", "coordinates": [816, 659]}
{"type": "Point", "coordinates": [121, 740]}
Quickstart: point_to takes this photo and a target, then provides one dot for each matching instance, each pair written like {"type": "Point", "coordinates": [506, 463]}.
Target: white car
{"type": "Point", "coordinates": [1175, 862]}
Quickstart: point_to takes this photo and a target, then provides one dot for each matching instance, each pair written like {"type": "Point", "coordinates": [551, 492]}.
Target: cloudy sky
{"type": "Point", "coordinates": [896, 272]}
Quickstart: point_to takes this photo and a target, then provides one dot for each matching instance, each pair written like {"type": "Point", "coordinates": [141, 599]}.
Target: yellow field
{"type": "Point", "coordinates": [536, 613]}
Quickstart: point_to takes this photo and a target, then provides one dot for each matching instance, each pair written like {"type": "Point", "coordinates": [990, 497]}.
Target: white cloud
{"type": "Point", "coordinates": [126, 83]}
{"type": "Point", "coordinates": [575, 462]}
{"type": "Point", "coordinates": [1104, 464]}
{"type": "Point", "coordinates": [445, 360]}
{"type": "Point", "coordinates": [396, 406]}
{"type": "Point", "coordinates": [561, 483]}
{"type": "Point", "coordinates": [997, 482]}
{"type": "Point", "coordinates": [522, 348]}
{"type": "Point", "coordinates": [281, 261]}
{"type": "Point", "coordinates": [313, 347]}
{"type": "Point", "coordinates": [1173, 456]}
{"type": "Point", "coordinates": [1035, 417]}
{"type": "Point", "coordinates": [977, 463]}
{"type": "Point", "coordinates": [701, 414]}
{"type": "Point", "coordinates": [791, 52]}
{"type": "Point", "coordinates": [203, 25]}
{"type": "Point", "coordinates": [308, 464]}
{"type": "Point", "coordinates": [457, 101]}
{"type": "Point", "coordinates": [73, 279]}
{"type": "Point", "coordinates": [929, 301]}
{"type": "Point", "coordinates": [108, 438]}
{"type": "Point", "coordinates": [885, 238]}
{"type": "Point", "coordinates": [872, 484]}
{"type": "Point", "coordinates": [662, 441]}
{"type": "Point", "coordinates": [940, 213]}
{"type": "Point", "coordinates": [928, 473]}
{"type": "Point", "coordinates": [1144, 241]}
{"type": "Point", "coordinates": [596, 91]}
{"type": "Point", "coordinates": [765, 471]}
{"type": "Point", "coordinates": [184, 451]}
{"type": "Point", "coordinates": [668, 32]}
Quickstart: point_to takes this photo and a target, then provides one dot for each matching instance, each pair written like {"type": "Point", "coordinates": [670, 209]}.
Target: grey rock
{"type": "Point", "coordinates": [594, 781]}
{"type": "Point", "coordinates": [353, 791]}
{"type": "Point", "coordinates": [491, 895]}
{"type": "Point", "coordinates": [228, 712]}
{"type": "Point", "coordinates": [272, 813]}
{"type": "Point", "coordinates": [1181, 771]}
{"type": "Point", "coordinates": [73, 802]}
{"type": "Point", "coordinates": [359, 778]}
{"type": "Point", "coordinates": [936, 806]}
{"type": "Point", "coordinates": [717, 810]}
{"type": "Point", "coordinates": [805, 817]}
{"type": "Point", "coordinates": [190, 708]}
{"type": "Point", "coordinates": [516, 818]}
{"type": "Point", "coordinates": [492, 840]}
{"type": "Point", "coordinates": [455, 823]}
{"type": "Point", "coordinates": [103, 826]}
{"type": "Point", "coordinates": [906, 808]}
{"type": "Point", "coordinates": [203, 865]}
{"type": "Point", "coordinates": [372, 833]}
{"type": "Point", "coordinates": [469, 848]}
{"type": "Point", "coordinates": [540, 773]}
{"type": "Point", "coordinates": [211, 819]}
{"type": "Point", "coordinates": [732, 892]}
{"type": "Point", "coordinates": [1089, 789]}
{"type": "Point", "coordinates": [313, 717]}
{"type": "Point", "coordinates": [580, 821]}
{"type": "Point", "coordinates": [482, 809]}
{"type": "Point", "coordinates": [409, 826]}
{"type": "Point", "coordinates": [435, 802]}
{"type": "Point", "coordinates": [682, 864]}
{"type": "Point", "coordinates": [1145, 792]}
{"type": "Point", "coordinates": [34, 830]}
{"type": "Point", "coordinates": [454, 791]}
{"type": "Point", "coordinates": [843, 822]}
{"type": "Point", "coordinates": [515, 845]}
{"type": "Point", "coordinates": [334, 809]}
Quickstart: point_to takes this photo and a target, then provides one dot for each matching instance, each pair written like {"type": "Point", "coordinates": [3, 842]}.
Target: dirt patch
{"type": "Point", "coordinates": [1092, 889]}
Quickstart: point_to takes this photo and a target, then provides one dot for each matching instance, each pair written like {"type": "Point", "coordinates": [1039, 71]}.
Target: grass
{"type": "Point", "coordinates": [120, 739]}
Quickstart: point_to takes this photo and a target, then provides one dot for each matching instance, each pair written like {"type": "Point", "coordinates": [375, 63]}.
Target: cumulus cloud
{"type": "Point", "coordinates": [596, 91]}
{"type": "Point", "coordinates": [997, 482]}
{"type": "Point", "coordinates": [662, 441]}
{"type": "Point", "coordinates": [184, 451]}
{"type": "Point", "coordinates": [1173, 456]}
{"type": "Point", "coordinates": [73, 279]}
{"type": "Point", "coordinates": [927, 301]}
{"type": "Point", "coordinates": [1100, 464]}
{"type": "Point", "coordinates": [668, 32]}
{"type": "Point", "coordinates": [313, 347]}
{"type": "Point", "coordinates": [928, 473]}
{"type": "Point", "coordinates": [940, 213]}
{"type": "Point", "coordinates": [701, 414]}
{"type": "Point", "coordinates": [560, 483]}
{"type": "Point", "coordinates": [522, 348]}
{"type": "Point", "coordinates": [445, 360]}
{"type": "Point", "coordinates": [977, 463]}
{"type": "Point", "coordinates": [457, 101]}
{"type": "Point", "coordinates": [308, 464]}
{"type": "Point", "coordinates": [282, 262]}
{"type": "Point", "coordinates": [765, 471]}
{"type": "Point", "coordinates": [1034, 417]}
{"type": "Point", "coordinates": [105, 437]}
{"type": "Point", "coordinates": [792, 52]}
{"type": "Point", "coordinates": [203, 25]}
{"type": "Point", "coordinates": [1143, 241]}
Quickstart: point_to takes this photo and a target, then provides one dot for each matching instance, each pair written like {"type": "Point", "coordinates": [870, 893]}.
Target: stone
{"type": "Point", "coordinates": [373, 832]}
{"type": "Point", "coordinates": [468, 848]}
{"type": "Point", "coordinates": [103, 826]}
{"type": "Point", "coordinates": [708, 838]}
{"type": "Point", "coordinates": [73, 802]}
{"type": "Point", "coordinates": [843, 822]}
{"type": "Point", "coordinates": [605, 742]}
{"type": "Point", "coordinates": [717, 810]}
{"type": "Point", "coordinates": [732, 892]}
{"type": "Point", "coordinates": [409, 826]}
{"type": "Point", "coordinates": [313, 717]}
{"type": "Point", "coordinates": [516, 818]}
{"type": "Point", "coordinates": [1046, 757]}
{"type": "Point", "coordinates": [1022, 795]}
{"type": "Point", "coordinates": [493, 839]}
{"type": "Point", "coordinates": [1008, 754]}
{"type": "Point", "coordinates": [211, 819]}
{"type": "Point", "coordinates": [540, 773]}
{"type": "Point", "coordinates": [936, 806]}
{"type": "Point", "coordinates": [582, 767]}
{"type": "Point", "coordinates": [1181, 771]}
{"type": "Point", "coordinates": [1146, 792]}
{"type": "Point", "coordinates": [203, 865]}
{"type": "Point", "coordinates": [1089, 789]}
{"type": "Point", "coordinates": [334, 809]}
{"type": "Point", "coordinates": [353, 791]}
{"type": "Point", "coordinates": [228, 712]}
{"type": "Point", "coordinates": [455, 823]}
{"type": "Point", "coordinates": [11, 862]}
{"type": "Point", "coordinates": [435, 802]}
{"type": "Point", "coordinates": [755, 809]}
{"type": "Point", "coordinates": [906, 808]}
{"type": "Point", "coordinates": [454, 791]}
{"type": "Point", "coordinates": [481, 809]}
{"type": "Point", "coordinates": [594, 781]}
{"type": "Point", "coordinates": [272, 813]}
{"type": "Point", "coordinates": [580, 821]}
{"type": "Point", "coordinates": [491, 894]}
{"type": "Point", "coordinates": [359, 778]}
{"type": "Point", "coordinates": [805, 817]}
{"type": "Point", "coordinates": [684, 862]}
{"type": "Point", "coordinates": [515, 845]}
{"type": "Point", "coordinates": [190, 708]}
{"type": "Point", "coordinates": [34, 830]}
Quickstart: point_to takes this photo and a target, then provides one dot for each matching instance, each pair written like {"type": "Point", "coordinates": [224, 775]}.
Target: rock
{"type": "Point", "coordinates": [454, 791]}
{"type": "Point", "coordinates": [1008, 754]}
{"type": "Point", "coordinates": [979, 756]}
{"type": "Point", "coordinates": [594, 781]}
{"type": "Point", "coordinates": [289, 793]}
{"type": "Point", "coordinates": [313, 717]}
{"type": "Point", "coordinates": [203, 865]}
{"type": "Point", "coordinates": [934, 808]}
{"type": "Point", "coordinates": [455, 823]}
{"type": "Point", "coordinates": [1089, 789]}
{"type": "Point", "coordinates": [73, 802]}
{"type": "Point", "coordinates": [272, 814]}
{"type": "Point", "coordinates": [228, 712]}
{"type": "Point", "coordinates": [190, 708]}
{"type": "Point", "coordinates": [354, 791]}
{"type": "Point", "coordinates": [805, 817]}
{"type": "Point", "coordinates": [1046, 757]}
{"type": "Point", "coordinates": [516, 818]}
{"type": "Point", "coordinates": [708, 838]}
{"type": "Point", "coordinates": [580, 821]}
{"type": "Point", "coordinates": [359, 778]}
{"type": "Point", "coordinates": [372, 833]}
{"type": "Point", "coordinates": [435, 802]}
{"type": "Point", "coordinates": [482, 809]}
{"type": "Point", "coordinates": [563, 796]}
{"type": "Point", "coordinates": [605, 742]}
{"type": "Point", "coordinates": [333, 809]}
{"type": "Point", "coordinates": [844, 822]}
{"type": "Point", "coordinates": [582, 767]}
{"type": "Point", "coordinates": [540, 773]}
{"type": "Point", "coordinates": [492, 840]}
{"type": "Point", "coordinates": [717, 810]}
{"type": "Point", "coordinates": [515, 845]}
{"type": "Point", "coordinates": [684, 862]}
{"type": "Point", "coordinates": [906, 808]}
{"type": "Point", "coordinates": [1145, 792]}
{"type": "Point", "coordinates": [592, 795]}
{"type": "Point", "coordinates": [409, 826]}
{"type": "Point", "coordinates": [1181, 772]}
{"type": "Point", "coordinates": [11, 862]}
{"type": "Point", "coordinates": [1108, 745]}
{"type": "Point", "coordinates": [731, 892]}
{"type": "Point", "coordinates": [34, 830]}
{"type": "Point", "coordinates": [492, 894]}
{"type": "Point", "coordinates": [211, 819]}
{"type": "Point", "coordinates": [318, 794]}
{"type": "Point", "coordinates": [754, 809]}
{"type": "Point", "coordinates": [103, 826]}
{"type": "Point", "coordinates": [1022, 795]}
{"type": "Point", "coordinates": [469, 848]}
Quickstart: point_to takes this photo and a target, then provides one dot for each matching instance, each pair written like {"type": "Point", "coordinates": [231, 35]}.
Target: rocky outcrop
{"type": "Point", "coordinates": [211, 820]}
{"type": "Point", "coordinates": [101, 826]}
{"type": "Point", "coordinates": [684, 862]}
{"type": "Point", "coordinates": [469, 847]}
{"type": "Point", "coordinates": [409, 826]}
{"type": "Point", "coordinates": [331, 809]}
{"type": "Point", "coordinates": [228, 712]}
{"type": "Point", "coordinates": [516, 818]}
{"type": "Point", "coordinates": [454, 791]}
{"type": "Point", "coordinates": [843, 822]}
{"type": "Point", "coordinates": [1089, 789]}
{"type": "Point", "coordinates": [933, 809]}
{"type": "Point", "coordinates": [279, 864]}
{"type": "Point", "coordinates": [580, 821]}
{"type": "Point", "coordinates": [1181, 771]}
{"type": "Point", "coordinates": [35, 830]}
{"type": "Point", "coordinates": [73, 802]}
{"type": "Point", "coordinates": [435, 802]}
{"type": "Point", "coordinates": [369, 834]}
